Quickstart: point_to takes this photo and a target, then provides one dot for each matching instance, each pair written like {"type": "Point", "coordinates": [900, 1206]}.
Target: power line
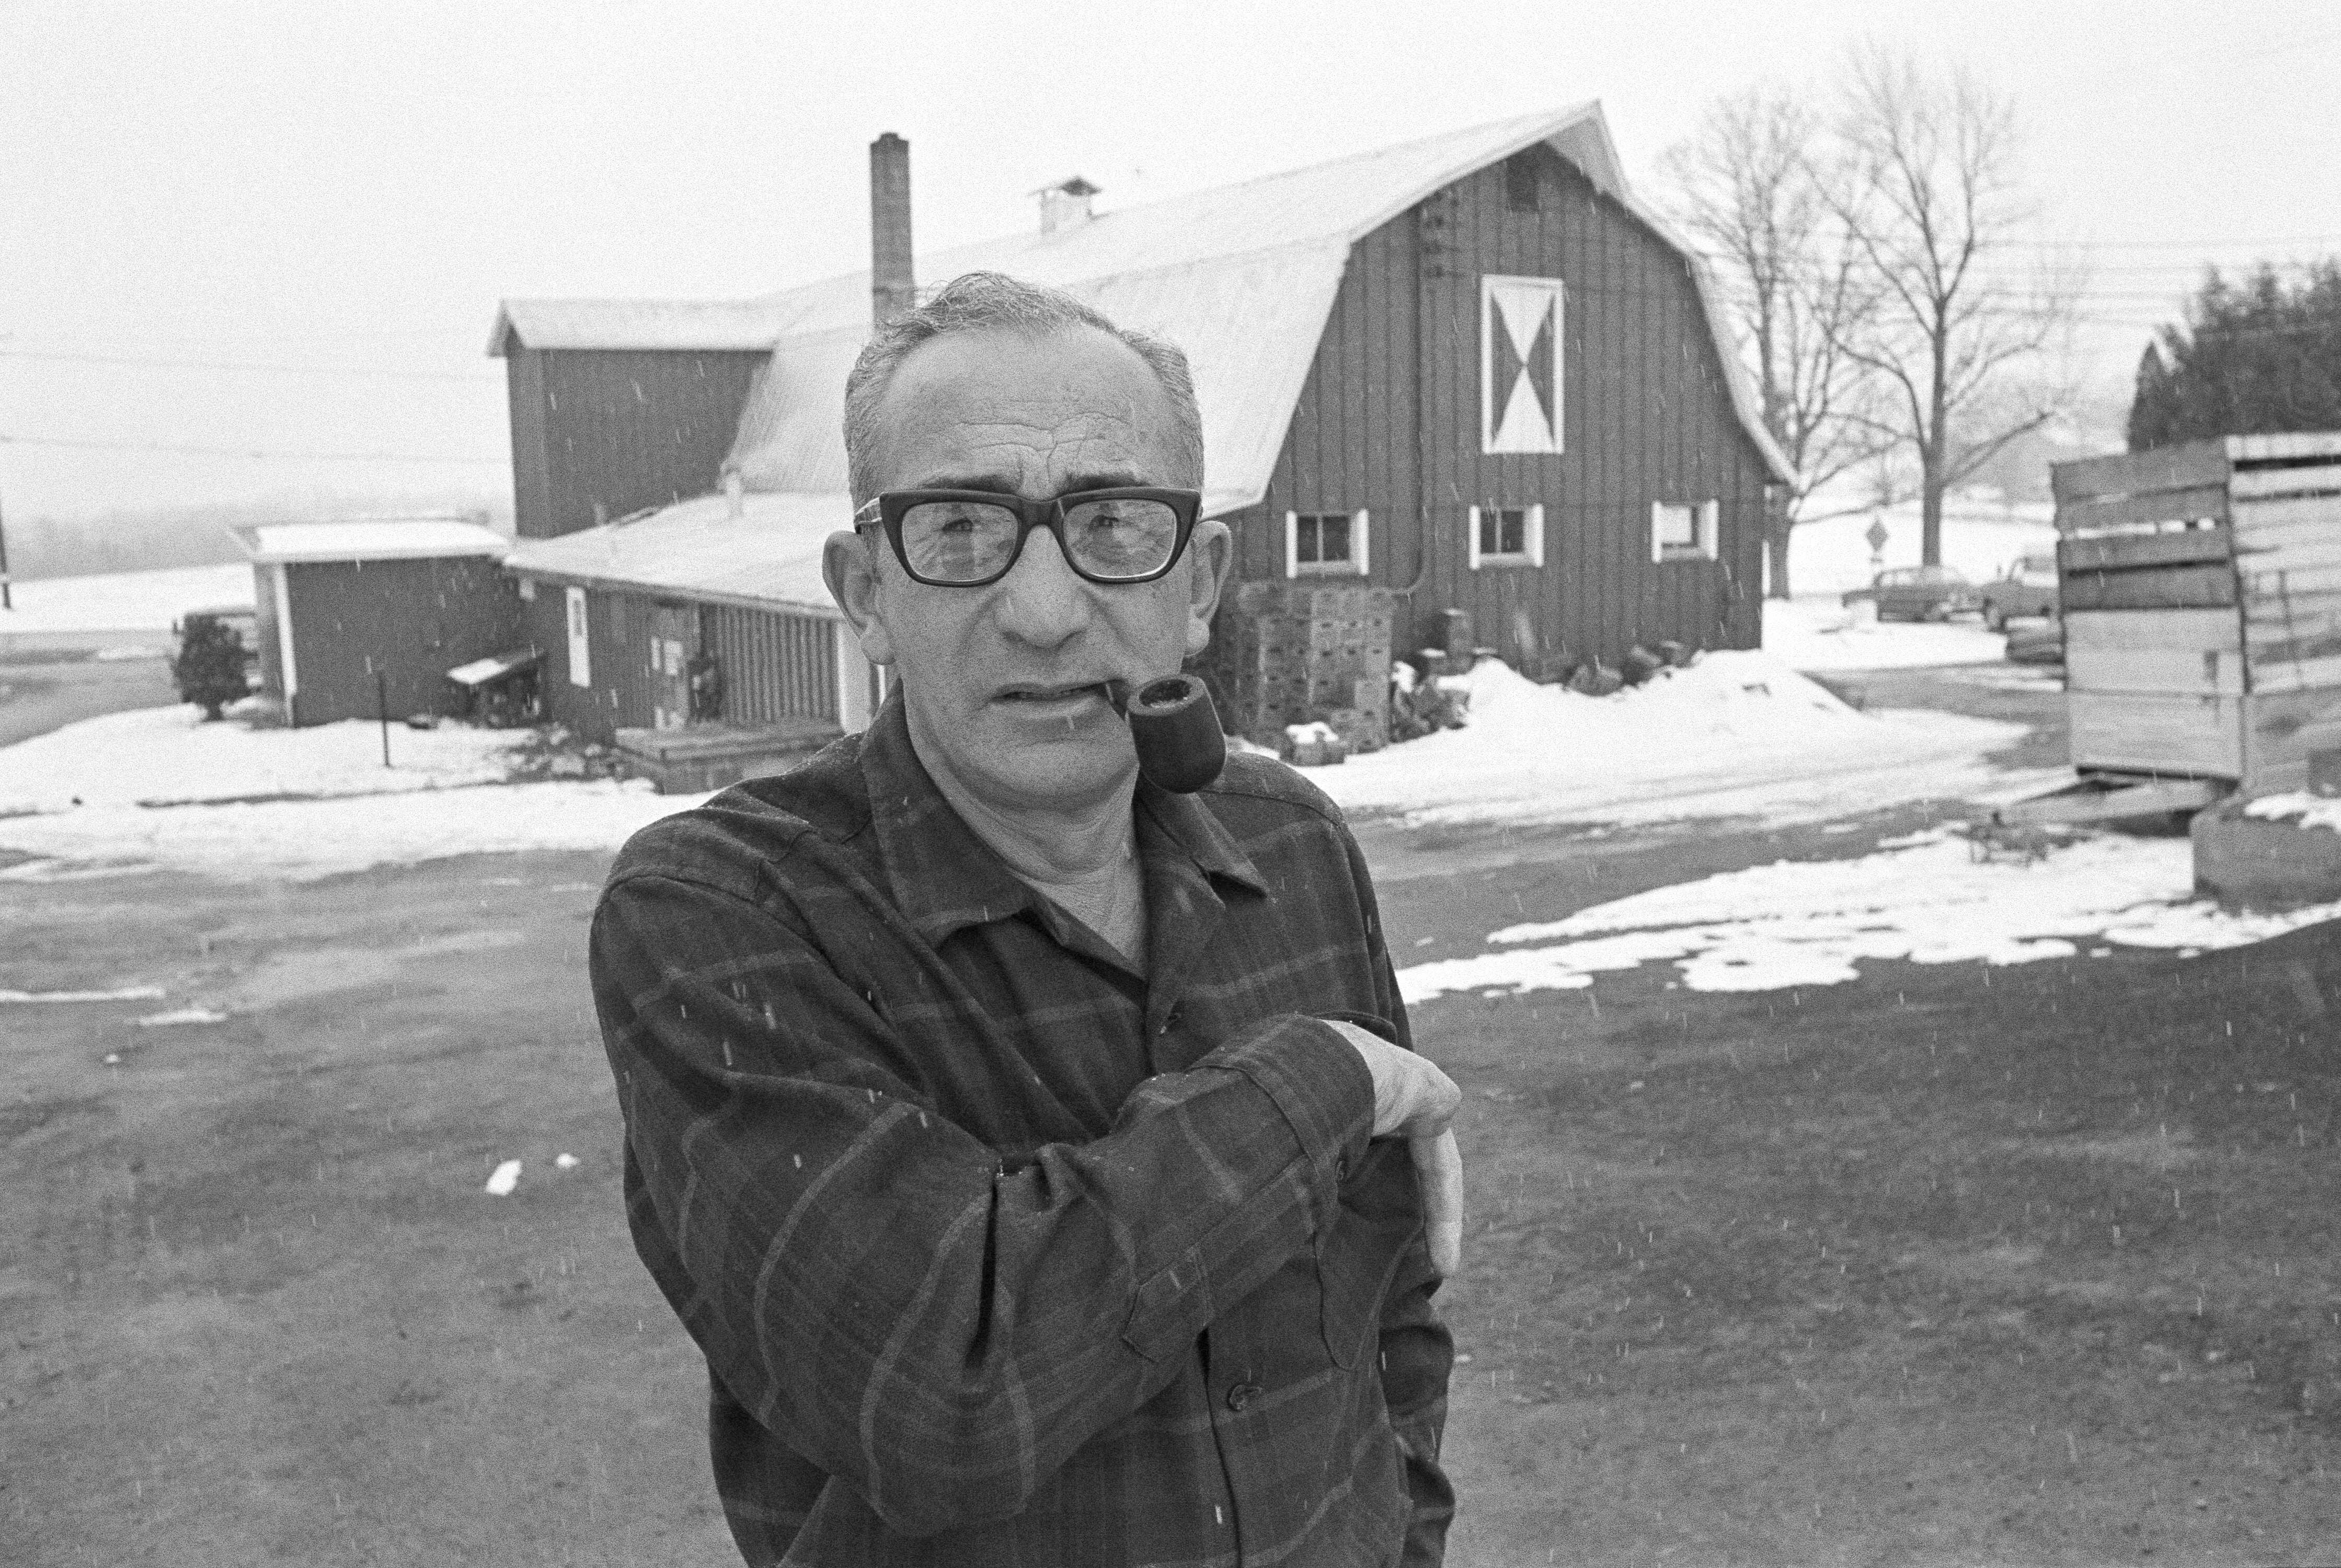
{"type": "Point", "coordinates": [255, 453]}
{"type": "Point", "coordinates": [343, 370]}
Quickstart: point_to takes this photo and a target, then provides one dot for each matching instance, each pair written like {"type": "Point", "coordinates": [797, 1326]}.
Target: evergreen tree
{"type": "Point", "coordinates": [2254, 357]}
{"type": "Point", "coordinates": [209, 669]}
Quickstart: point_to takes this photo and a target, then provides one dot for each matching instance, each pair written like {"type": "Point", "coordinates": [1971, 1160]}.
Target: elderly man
{"type": "Point", "coordinates": [1033, 1152]}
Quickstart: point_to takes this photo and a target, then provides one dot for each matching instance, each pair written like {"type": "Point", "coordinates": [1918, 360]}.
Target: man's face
{"type": "Point", "coordinates": [1000, 682]}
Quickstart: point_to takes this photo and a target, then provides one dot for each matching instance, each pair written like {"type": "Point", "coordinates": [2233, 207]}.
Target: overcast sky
{"type": "Point", "coordinates": [342, 193]}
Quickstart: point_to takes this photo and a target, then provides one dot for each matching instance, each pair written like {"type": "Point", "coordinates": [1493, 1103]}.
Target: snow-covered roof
{"type": "Point", "coordinates": [768, 556]}
{"type": "Point", "coordinates": [369, 539]}
{"type": "Point", "coordinates": [752, 324]}
{"type": "Point", "coordinates": [1242, 278]}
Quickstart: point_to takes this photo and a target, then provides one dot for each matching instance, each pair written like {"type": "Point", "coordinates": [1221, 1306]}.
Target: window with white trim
{"type": "Point", "coordinates": [1683, 531]}
{"type": "Point", "coordinates": [1506, 536]}
{"type": "Point", "coordinates": [580, 642]}
{"type": "Point", "coordinates": [1325, 543]}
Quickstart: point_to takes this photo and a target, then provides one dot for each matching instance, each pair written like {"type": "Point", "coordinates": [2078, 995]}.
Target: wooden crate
{"type": "Point", "coordinates": [2201, 587]}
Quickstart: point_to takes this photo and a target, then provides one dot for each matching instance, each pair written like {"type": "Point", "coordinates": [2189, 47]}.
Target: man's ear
{"type": "Point", "coordinates": [1210, 552]}
{"type": "Point", "coordinates": [849, 565]}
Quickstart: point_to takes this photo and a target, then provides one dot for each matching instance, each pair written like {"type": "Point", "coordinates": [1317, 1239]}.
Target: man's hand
{"type": "Point", "coordinates": [1415, 1100]}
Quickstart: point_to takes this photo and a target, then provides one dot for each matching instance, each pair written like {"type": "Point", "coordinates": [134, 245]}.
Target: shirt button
{"type": "Point", "coordinates": [1243, 1394]}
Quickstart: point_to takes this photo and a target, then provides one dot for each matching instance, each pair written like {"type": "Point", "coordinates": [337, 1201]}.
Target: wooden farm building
{"type": "Point", "coordinates": [1474, 374]}
{"type": "Point", "coordinates": [362, 616]}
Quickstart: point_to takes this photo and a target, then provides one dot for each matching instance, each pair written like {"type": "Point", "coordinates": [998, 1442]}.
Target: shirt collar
{"type": "Point", "coordinates": [944, 878]}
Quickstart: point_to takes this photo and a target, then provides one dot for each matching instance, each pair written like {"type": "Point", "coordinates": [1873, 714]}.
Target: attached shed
{"type": "Point", "coordinates": [406, 598]}
{"type": "Point", "coordinates": [624, 612]}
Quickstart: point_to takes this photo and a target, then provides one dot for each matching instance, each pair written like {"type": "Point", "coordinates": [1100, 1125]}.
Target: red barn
{"type": "Point", "coordinates": [1473, 370]}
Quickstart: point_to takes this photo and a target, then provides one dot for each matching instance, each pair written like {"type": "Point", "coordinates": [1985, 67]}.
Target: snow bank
{"type": "Point", "coordinates": [124, 601]}
{"type": "Point", "coordinates": [1934, 899]}
{"type": "Point", "coordinates": [171, 754]}
{"type": "Point", "coordinates": [304, 840]}
{"type": "Point", "coordinates": [1821, 634]}
{"type": "Point", "coordinates": [2305, 809]}
{"type": "Point", "coordinates": [1735, 734]}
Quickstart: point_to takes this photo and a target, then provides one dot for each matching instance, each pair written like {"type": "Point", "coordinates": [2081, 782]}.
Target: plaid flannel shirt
{"type": "Point", "coordinates": [1002, 1253]}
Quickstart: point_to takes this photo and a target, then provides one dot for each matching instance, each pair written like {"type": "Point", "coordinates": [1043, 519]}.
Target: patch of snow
{"type": "Point", "coordinates": [124, 601]}
{"type": "Point", "coordinates": [1819, 633]}
{"type": "Point", "coordinates": [171, 755]}
{"type": "Point", "coordinates": [300, 840]}
{"type": "Point", "coordinates": [2307, 810]}
{"type": "Point", "coordinates": [127, 993]}
{"type": "Point", "coordinates": [564, 1162]}
{"type": "Point", "coordinates": [506, 1177]}
{"type": "Point", "coordinates": [1735, 734]}
{"type": "Point", "coordinates": [182, 1016]}
{"type": "Point", "coordinates": [1930, 901]}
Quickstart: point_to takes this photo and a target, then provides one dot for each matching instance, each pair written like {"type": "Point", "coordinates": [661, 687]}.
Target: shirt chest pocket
{"type": "Point", "coordinates": [1380, 1217]}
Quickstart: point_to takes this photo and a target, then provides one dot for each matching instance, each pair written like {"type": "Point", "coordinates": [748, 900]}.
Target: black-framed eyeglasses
{"type": "Point", "coordinates": [968, 538]}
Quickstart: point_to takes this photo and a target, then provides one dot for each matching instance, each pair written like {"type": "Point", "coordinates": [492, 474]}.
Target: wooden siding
{"type": "Point", "coordinates": [412, 619]}
{"type": "Point", "coordinates": [775, 665]}
{"type": "Point", "coordinates": [1388, 421]}
{"type": "Point", "coordinates": [601, 434]}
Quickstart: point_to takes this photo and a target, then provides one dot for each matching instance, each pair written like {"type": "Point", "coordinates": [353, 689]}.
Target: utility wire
{"type": "Point", "coordinates": [344, 370]}
{"type": "Point", "coordinates": [255, 453]}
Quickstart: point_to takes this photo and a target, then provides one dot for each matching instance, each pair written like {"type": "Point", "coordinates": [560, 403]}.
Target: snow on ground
{"type": "Point", "coordinates": [2308, 811]}
{"type": "Point", "coordinates": [1735, 734]}
{"type": "Point", "coordinates": [300, 840]}
{"type": "Point", "coordinates": [1818, 632]}
{"type": "Point", "coordinates": [124, 601]}
{"type": "Point", "coordinates": [158, 754]}
{"type": "Point", "coordinates": [1932, 898]}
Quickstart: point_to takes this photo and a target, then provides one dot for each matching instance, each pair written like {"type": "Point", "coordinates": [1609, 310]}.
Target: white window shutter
{"type": "Point", "coordinates": [1710, 518]}
{"type": "Point", "coordinates": [1291, 544]}
{"type": "Point", "coordinates": [1658, 540]}
{"type": "Point", "coordinates": [1472, 538]}
{"type": "Point", "coordinates": [1535, 540]}
{"type": "Point", "coordinates": [1360, 540]}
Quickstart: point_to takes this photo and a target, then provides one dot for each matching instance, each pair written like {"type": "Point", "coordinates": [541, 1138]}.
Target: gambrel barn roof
{"type": "Point", "coordinates": [1242, 278]}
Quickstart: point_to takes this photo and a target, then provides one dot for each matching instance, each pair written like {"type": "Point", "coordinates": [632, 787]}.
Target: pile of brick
{"type": "Point", "coordinates": [1300, 653]}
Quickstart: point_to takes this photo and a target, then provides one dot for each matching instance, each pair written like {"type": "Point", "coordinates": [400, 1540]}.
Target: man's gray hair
{"type": "Point", "coordinates": [994, 302]}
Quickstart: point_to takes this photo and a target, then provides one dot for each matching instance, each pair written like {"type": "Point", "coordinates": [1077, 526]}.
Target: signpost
{"type": "Point", "coordinates": [1877, 536]}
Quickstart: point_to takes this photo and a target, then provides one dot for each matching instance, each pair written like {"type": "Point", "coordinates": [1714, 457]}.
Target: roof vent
{"type": "Point", "coordinates": [1066, 205]}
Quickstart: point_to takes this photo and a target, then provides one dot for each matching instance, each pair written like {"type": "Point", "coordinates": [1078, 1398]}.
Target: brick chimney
{"type": "Point", "coordinates": [890, 291]}
{"type": "Point", "coordinates": [1065, 206]}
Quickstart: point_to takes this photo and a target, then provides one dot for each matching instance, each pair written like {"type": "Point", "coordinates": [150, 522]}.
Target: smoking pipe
{"type": "Point", "coordinates": [1176, 729]}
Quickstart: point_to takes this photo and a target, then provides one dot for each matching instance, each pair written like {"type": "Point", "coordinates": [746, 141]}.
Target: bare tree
{"type": "Point", "coordinates": [1798, 289]}
{"type": "Point", "coordinates": [1923, 186]}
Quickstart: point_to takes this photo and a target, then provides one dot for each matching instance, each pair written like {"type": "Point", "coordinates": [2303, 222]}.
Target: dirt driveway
{"type": "Point", "coordinates": [1947, 1265]}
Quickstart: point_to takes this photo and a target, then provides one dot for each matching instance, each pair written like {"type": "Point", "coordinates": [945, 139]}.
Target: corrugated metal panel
{"type": "Point", "coordinates": [768, 557]}
{"type": "Point", "coordinates": [775, 665]}
{"type": "Point", "coordinates": [628, 431]}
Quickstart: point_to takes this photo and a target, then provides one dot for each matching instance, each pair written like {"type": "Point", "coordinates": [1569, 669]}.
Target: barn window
{"type": "Point", "coordinates": [1325, 543]}
{"type": "Point", "coordinates": [1684, 533]}
{"type": "Point", "coordinates": [1506, 536]}
{"type": "Point", "coordinates": [1520, 181]}
{"type": "Point", "coordinates": [1519, 364]}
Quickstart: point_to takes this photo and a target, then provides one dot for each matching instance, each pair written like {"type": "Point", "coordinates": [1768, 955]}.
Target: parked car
{"type": "Point", "coordinates": [2028, 587]}
{"type": "Point", "coordinates": [1918, 593]}
{"type": "Point", "coordinates": [2042, 643]}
